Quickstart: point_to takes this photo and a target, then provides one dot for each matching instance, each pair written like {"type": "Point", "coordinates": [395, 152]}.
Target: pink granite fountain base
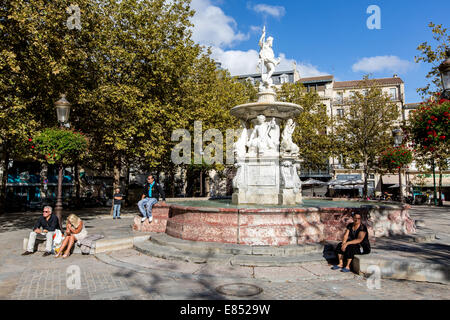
{"type": "Point", "coordinates": [275, 227]}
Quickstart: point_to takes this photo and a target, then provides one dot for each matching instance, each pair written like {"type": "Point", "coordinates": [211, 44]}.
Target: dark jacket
{"type": "Point", "coordinates": [157, 191]}
{"type": "Point", "coordinates": [49, 225]}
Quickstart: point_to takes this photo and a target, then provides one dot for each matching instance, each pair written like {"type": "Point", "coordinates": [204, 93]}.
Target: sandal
{"type": "Point", "coordinates": [65, 256]}
{"type": "Point", "coordinates": [345, 270]}
{"type": "Point", "coordinates": [335, 267]}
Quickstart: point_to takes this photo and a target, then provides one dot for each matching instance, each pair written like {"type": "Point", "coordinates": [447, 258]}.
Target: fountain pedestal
{"type": "Point", "coordinates": [267, 180]}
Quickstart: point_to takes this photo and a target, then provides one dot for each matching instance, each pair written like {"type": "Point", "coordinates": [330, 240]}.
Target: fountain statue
{"type": "Point", "coordinates": [260, 179]}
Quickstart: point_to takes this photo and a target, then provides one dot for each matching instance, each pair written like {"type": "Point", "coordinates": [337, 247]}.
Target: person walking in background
{"type": "Point", "coordinates": [49, 223]}
{"type": "Point", "coordinates": [117, 203]}
{"type": "Point", "coordinates": [150, 196]}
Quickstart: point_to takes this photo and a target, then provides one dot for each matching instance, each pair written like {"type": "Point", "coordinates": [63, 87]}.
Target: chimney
{"type": "Point", "coordinates": [395, 75]}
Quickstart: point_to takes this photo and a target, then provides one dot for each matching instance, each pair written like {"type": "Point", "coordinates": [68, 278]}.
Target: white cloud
{"type": "Point", "coordinates": [275, 11]}
{"type": "Point", "coordinates": [382, 63]}
{"type": "Point", "coordinates": [213, 27]}
{"type": "Point", "coordinates": [245, 62]}
{"type": "Point", "coordinates": [236, 61]}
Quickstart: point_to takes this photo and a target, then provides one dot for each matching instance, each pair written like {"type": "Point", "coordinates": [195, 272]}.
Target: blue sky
{"type": "Point", "coordinates": [323, 37]}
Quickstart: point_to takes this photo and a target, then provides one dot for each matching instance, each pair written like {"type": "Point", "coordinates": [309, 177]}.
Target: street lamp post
{"type": "Point", "coordinates": [398, 139]}
{"type": "Point", "coordinates": [62, 111]}
{"type": "Point", "coordinates": [444, 70]}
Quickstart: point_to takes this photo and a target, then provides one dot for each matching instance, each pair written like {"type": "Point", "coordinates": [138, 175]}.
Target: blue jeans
{"type": "Point", "coordinates": [116, 211]}
{"type": "Point", "coordinates": [145, 206]}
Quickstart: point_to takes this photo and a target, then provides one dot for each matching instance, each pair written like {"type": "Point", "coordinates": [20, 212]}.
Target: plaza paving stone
{"type": "Point", "coordinates": [141, 277]}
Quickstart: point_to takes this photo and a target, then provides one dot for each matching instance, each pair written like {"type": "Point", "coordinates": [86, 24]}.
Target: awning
{"type": "Point", "coordinates": [426, 180]}
{"type": "Point", "coordinates": [390, 179]}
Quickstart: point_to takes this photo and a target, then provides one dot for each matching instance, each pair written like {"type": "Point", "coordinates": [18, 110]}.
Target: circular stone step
{"type": "Point", "coordinates": [166, 247]}
{"type": "Point", "coordinates": [163, 239]}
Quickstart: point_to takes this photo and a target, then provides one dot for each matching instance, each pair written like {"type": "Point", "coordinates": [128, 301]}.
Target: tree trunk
{"type": "Point", "coordinates": [201, 183]}
{"type": "Point", "coordinates": [44, 180]}
{"type": "Point", "coordinates": [77, 183]}
{"type": "Point", "coordinates": [366, 176]}
{"type": "Point", "coordinates": [4, 178]}
{"type": "Point", "coordinates": [127, 184]}
{"type": "Point", "coordinates": [116, 183]}
{"type": "Point", "coordinates": [172, 182]}
{"type": "Point", "coordinates": [440, 187]}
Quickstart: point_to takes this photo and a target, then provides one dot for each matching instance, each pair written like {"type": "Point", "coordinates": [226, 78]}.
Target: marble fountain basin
{"type": "Point", "coordinates": [312, 222]}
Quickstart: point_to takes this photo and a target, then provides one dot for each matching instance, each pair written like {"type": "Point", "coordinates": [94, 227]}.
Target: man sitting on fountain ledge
{"type": "Point", "coordinates": [150, 196]}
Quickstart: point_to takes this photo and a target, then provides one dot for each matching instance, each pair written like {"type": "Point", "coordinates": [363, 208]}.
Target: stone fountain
{"type": "Point", "coordinates": [267, 207]}
{"type": "Point", "coordinates": [266, 162]}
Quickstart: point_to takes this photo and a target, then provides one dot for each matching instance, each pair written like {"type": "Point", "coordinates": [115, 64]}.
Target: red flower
{"type": "Point", "coordinates": [32, 147]}
{"type": "Point", "coordinates": [429, 121]}
{"type": "Point", "coordinates": [443, 137]}
{"type": "Point", "coordinates": [30, 139]}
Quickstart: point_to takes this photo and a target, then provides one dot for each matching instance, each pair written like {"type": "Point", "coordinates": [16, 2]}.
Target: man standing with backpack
{"type": "Point", "coordinates": [150, 195]}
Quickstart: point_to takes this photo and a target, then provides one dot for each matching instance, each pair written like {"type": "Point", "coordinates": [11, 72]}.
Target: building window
{"type": "Point", "coordinates": [393, 93]}
{"type": "Point", "coordinates": [251, 80]}
{"type": "Point", "coordinates": [284, 78]}
{"type": "Point", "coordinates": [340, 113]}
{"type": "Point", "coordinates": [340, 97]}
{"type": "Point", "coordinates": [371, 176]}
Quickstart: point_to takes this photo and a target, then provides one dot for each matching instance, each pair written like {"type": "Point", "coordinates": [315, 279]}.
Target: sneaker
{"type": "Point", "coordinates": [143, 219]}
{"type": "Point", "coordinates": [119, 218]}
{"type": "Point", "coordinates": [46, 254]}
{"type": "Point", "coordinates": [26, 253]}
{"type": "Point", "coordinates": [150, 219]}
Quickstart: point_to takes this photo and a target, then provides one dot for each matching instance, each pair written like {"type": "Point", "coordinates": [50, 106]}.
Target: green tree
{"type": "Point", "coordinates": [38, 56]}
{"type": "Point", "coordinates": [59, 146]}
{"type": "Point", "coordinates": [312, 135]}
{"type": "Point", "coordinates": [365, 129]}
{"type": "Point", "coordinates": [428, 128]}
{"type": "Point", "coordinates": [434, 56]}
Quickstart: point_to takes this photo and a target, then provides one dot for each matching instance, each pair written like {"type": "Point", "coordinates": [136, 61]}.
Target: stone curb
{"type": "Point", "coordinates": [403, 269]}
{"type": "Point", "coordinates": [102, 245]}
{"type": "Point", "coordinates": [171, 253]}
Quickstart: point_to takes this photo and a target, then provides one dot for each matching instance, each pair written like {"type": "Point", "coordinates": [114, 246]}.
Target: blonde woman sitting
{"type": "Point", "coordinates": [75, 231]}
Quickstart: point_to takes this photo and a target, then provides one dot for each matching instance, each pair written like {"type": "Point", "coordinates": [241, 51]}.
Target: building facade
{"type": "Point", "coordinates": [335, 95]}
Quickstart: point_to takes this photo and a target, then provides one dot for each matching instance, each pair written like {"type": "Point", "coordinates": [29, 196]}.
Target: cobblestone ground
{"type": "Point", "coordinates": [144, 278]}
{"type": "Point", "coordinates": [48, 278]}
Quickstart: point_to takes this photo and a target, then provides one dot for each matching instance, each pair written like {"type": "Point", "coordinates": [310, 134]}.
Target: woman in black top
{"type": "Point", "coordinates": [355, 237]}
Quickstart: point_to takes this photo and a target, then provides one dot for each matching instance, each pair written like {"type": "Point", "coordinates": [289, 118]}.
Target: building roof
{"type": "Point", "coordinates": [357, 83]}
{"type": "Point", "coordinates": [328, 78]}
{"type": "Point", "coordinates": [414, 105]}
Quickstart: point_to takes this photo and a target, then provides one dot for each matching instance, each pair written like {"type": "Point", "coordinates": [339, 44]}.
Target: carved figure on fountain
{"type": "Point", "coordinates": [240, 146]}
{"type": "Point", "coordinates": [288, 147]}
{"type": "Point", "coordinates": [264, 139]}
{"type": "Point", "coordinates": [267, 59]}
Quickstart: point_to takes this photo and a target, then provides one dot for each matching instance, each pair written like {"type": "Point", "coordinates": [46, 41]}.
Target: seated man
{"type": "Point", "coordinates": [49, 223]}
{"type": "Point", "coordinates": [150, 195]}
{"type": "Point", "coordinates": [355, 237]}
